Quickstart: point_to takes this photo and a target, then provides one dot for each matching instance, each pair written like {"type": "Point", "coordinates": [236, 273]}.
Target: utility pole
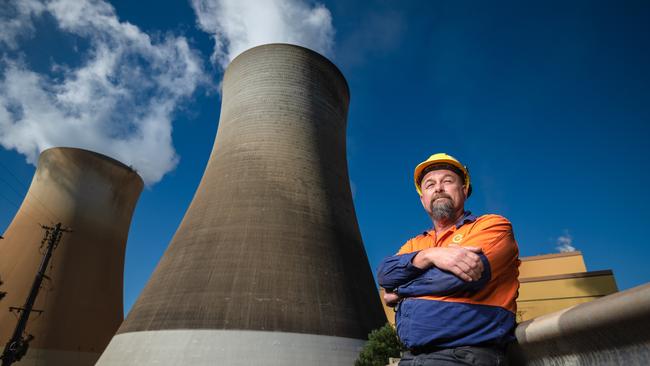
{"type": "Point", "coordinates": [17, 346]}
{"type": "Point", "coordinates": [2, 293]}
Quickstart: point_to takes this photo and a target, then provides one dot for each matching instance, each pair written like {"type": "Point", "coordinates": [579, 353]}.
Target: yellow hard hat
{"type": "Point", "coordinates": [441, 158]}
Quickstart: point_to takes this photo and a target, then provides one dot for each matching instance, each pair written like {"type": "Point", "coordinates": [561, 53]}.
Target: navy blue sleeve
{"type": "Point", "coordinates": [397, 270]}
{"type": "Point", "coordinates": [437, 282]}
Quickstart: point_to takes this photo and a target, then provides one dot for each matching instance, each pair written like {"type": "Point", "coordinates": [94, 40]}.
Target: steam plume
{"type": "Point", "coordinates": [237, 25]}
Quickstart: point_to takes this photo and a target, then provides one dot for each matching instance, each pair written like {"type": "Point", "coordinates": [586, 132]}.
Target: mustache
{"type": "Point", "coordinates": [433, 204]}
{"type": "Point", "coordinates": [442, 195]}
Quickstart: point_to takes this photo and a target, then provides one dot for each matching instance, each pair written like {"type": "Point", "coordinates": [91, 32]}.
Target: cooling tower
{"type": "Point", "coordinates": [81, 301]}
{"type": "Point", "coordinates": [267, 267]}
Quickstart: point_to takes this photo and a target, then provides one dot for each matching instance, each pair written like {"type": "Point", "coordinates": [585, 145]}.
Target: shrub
{"type": "Point", "coordinates": [382, 344]}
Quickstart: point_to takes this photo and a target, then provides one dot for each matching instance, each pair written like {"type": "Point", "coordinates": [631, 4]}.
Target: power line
{"type": "Point", "coordinates": [25, 211]}
{"type": "Point", "coordinates": [56, 218]}
{"type": "Point", "coordinates": [47, 212]}
{"type": "Point", "coordinates": [13, 175]}
{"type": "Point", "coordinates": [11, 186]}
{"type": "Point", "coordinates": [18, 208]}
{"type": "Point", "coordinates": [8, 200]}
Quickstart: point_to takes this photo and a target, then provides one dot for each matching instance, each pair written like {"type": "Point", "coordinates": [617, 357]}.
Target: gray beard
{"type": "Point", "coordinates": [442, 210]}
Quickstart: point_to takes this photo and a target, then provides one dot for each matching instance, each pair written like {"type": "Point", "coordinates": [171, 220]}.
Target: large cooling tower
{"type": "Point", "coordinates": [267, 266]}
{"type": "Point", "coordinates": [81, 301]}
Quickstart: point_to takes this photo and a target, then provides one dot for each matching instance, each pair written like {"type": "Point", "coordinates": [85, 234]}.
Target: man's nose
{"type": "Point", "coordinates": [438, 188]}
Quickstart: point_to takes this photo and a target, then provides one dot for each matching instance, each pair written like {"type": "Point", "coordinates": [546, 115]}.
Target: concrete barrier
{"type": "Point", "coordinates": [613, 330]}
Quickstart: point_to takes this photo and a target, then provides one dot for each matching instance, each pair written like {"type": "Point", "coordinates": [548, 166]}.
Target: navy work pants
{"type": "Point", "coordinates": [467, 355]}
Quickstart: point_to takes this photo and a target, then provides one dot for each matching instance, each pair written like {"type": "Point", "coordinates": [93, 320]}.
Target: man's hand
{"type": "Point", "coordinates": [391, 299]}
{"type": "Point", "coordinates": [461, 261]}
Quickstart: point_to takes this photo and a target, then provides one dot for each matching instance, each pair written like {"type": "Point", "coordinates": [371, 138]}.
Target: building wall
{"type": "Point", "coordinates": [552, 264]}
{"type": "Point", "coordinates": [543, 295]}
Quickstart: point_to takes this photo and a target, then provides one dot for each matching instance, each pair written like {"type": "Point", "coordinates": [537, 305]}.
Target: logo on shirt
{"type": "Point", "coordinates": [457, 239]}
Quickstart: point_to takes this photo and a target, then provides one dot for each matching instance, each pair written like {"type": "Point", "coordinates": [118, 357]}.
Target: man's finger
{"type": "Point", "coordinates": [477, 274]}
{"type": "Point", "coordinates": [463, 274]}
{"type": "Point", "coordinates": [480, 266]}
{"type": "Point", "coordinates": [474, 269]}
{"type": "Point", "coordinates": [460, 273]}
{"type": "Point", "coordinates": [473, 255]}
{"type": "Point", "coordinates": [473, 274]}
{"type": "Point", "coordinates": [473, 262]}
{"type": "Point", "coordinates": [465, 267]}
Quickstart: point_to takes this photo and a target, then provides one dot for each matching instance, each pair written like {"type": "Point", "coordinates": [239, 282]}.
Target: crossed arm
{"type": "Point", "coordinates": [441, 271]}
{"type": "Point", "coordinates": [433, 271]}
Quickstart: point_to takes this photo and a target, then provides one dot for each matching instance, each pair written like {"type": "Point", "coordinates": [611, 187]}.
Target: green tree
{"type": "Point", "coordinates": [382, 344]}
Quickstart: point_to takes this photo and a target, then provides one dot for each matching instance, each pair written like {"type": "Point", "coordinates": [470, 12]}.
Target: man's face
{"type": "Point", "coordinates": [443, 194]}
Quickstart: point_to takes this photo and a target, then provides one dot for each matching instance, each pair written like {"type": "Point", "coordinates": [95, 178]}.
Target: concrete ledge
{"type": "Point", "coordinates": [612, 330]}
{"type": "Point", "coordinates": [208, 347]}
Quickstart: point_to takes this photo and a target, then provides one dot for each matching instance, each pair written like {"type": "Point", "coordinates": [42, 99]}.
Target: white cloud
{"type": "Point", "coordinates": [237, 25]}
{"type": "Point", "coordinates": [565, 243]}
{"type": "Point", "coordinates": [119, 101]}
{"type": "Point", "coordinates": [16, 20]}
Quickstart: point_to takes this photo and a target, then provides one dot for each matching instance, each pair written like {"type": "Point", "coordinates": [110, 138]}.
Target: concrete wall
{"type": "Point", "coordinates": [95, 196]}
{"type": "Point", "coordinates": [612, 330]}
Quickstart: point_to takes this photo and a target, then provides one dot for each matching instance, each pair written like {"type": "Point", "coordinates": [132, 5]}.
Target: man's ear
{"type": "Point", "coordinates": [424, 204]}
{"type": "Point", "coordinates": [466, 190]}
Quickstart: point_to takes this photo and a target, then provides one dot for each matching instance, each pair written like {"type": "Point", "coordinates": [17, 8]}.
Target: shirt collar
{"type": "Point", "coordinates": [467, 217]}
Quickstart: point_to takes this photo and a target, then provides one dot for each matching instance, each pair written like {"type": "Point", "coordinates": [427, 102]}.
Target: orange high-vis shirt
{"type": "Point", "coordinates": [493, 234]}
{"type": "Point", "coordinates": [439, 309]}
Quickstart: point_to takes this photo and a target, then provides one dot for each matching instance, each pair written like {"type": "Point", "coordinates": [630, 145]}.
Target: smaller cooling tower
{"type": "Point", "coordinates": [94, 196]}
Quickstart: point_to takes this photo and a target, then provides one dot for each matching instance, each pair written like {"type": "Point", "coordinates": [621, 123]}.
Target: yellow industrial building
{"type": "Point", "coordinates": [553, 282]}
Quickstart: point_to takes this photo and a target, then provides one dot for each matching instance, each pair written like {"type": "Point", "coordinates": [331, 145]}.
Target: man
{"type": "Point", "coordinates": [455, 286]}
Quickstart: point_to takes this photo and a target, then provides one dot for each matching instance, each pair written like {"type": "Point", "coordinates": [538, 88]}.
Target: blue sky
{"type": "Point", "coordinates": [548, 104]}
